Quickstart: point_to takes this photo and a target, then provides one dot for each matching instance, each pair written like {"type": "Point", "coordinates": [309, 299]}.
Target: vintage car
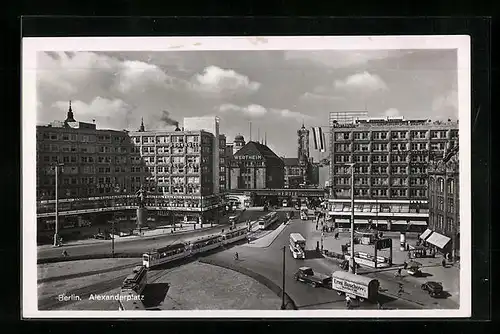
{"type": "Point", "coordinates": [434, 289]}
{"type": "Point", "coordinates": [308, 276]}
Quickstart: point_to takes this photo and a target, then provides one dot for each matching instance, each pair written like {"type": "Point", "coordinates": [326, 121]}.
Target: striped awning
{"type": "Point", "coordinates": [438, 240]}
{"type": "Point", "coordinates": [426, 234]}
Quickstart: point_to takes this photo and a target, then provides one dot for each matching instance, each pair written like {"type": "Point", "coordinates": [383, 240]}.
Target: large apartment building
{"type": "Point", "coordinates": [391, 156]}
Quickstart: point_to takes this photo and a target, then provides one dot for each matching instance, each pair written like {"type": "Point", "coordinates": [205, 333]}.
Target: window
{"type": "Point", "coordinates": [451, 205]}
{"type": "Point", "coordinates": [451, 186]}
{"type": "Point", "coordinates": [440, 222]}
{"type": "Point", "coordinates": [441, 185]}
{"type": "Point", "coordinates": [440, 203]}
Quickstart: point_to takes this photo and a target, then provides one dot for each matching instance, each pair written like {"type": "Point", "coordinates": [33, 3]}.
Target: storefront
{"type": "Point", "coordinates": [437, 242]}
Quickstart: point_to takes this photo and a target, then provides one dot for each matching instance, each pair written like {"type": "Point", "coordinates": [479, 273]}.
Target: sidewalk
{"type": "Point", "coordinates": [267, 239]}
{"type": "Point", "coordinates": [431, 267]}
{"type": "Point", "coordinates": [147, 234]}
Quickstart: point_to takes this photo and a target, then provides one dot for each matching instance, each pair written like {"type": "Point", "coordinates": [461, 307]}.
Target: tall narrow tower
{"type": "Point", "coordinates": [303, 144]}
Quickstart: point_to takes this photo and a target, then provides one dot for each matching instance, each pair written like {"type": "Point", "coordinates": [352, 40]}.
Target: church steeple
{"type": "Point", "coordinates": [141, 128]}
{"type": "Point", "coordinates": [69, 117]}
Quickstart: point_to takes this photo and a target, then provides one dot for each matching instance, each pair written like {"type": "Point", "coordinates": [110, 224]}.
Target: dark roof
{"type": "Point", "coordinates": [291, 161]}
{"type": "Point", "coordinates": [263, 150]}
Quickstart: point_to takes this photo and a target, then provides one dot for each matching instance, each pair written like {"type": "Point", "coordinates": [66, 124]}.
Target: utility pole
{"type": "Point", "coordinates": [283, 293]}
{"type": "Point", "coordinates": [113, 238]}
{"type": "Point", "coordinates": [56, 233]}
{"type": "Point", "coordinates": [352, 262]}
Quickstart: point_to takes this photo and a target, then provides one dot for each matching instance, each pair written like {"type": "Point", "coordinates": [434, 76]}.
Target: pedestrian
{"type": "Point", "coordinates": [65, 253]}
{"type": "Point", "coordinates": [399, 272]}
{"type": "Point", "coordinates": [348, 302]}
{"type": "Point", "coordinates": [405, 265]}
{"type": "Point", "coordinates": [316, 226]}
{"type": "Point", "coordinates": [443, 263]}
{"type": "Point", "coordinates": [248, 240]}
{"type": "Point", "coordinates": [400, 290]}
{"type": "Point", "coordinates": [379, 305]}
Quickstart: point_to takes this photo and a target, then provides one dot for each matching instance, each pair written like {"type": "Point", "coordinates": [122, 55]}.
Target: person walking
{"type": "Point", "coordinates": [400, 289]}
{"type": "Point", "coordinates": [236, 256]}
{"type": "Point", "coordinates": [348, 302]}
{"type": "Point", "coordinates": [65, 253]}
{"type": "Point", "coordinates": [443, 263]}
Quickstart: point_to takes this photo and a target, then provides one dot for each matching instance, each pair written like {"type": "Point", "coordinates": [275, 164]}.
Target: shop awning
{"type": "Point", "coordinates": [438, 240]}
{"type": "Point", "coordinates": [426, 234]}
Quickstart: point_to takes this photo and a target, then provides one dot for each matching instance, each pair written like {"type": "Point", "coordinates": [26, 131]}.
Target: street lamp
{"type": "Point", "coordinates": [352, 262]}
{"type": "Point", "coordinates": [283, 306]}
{"type": "Point", "coordinates": [56, 234]}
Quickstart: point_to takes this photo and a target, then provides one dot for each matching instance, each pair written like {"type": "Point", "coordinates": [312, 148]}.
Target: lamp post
{"type": "Point", "coordinates": [56, 233]}
{"type": "Point", "coordinates": [352, 263]}
{"type": "Point", "coordinates": [283, 306]}
{"type": "Point", "coordinates": [113, 237]}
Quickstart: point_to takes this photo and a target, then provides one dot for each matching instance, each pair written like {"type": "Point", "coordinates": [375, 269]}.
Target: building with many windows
{"type": "Point", "coordinates": [102, 170]}
{"type": "Point", "coordinates": [444, 205]}
{"type": "Point", "coordinates": [255, 166]}
{"type": "Point", "coordinates": [391, 156]}
{"type": "Point", "coordinates": [95, 162]}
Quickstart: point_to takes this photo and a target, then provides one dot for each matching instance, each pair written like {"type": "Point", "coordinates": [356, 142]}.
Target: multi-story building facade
{"type": "Point", "coordinates": [102, 170]}
{"type": "Point", "coordinates": [95, 162]}
{"type": "Point", "coordinates": [300, 171]}
{"type": "Point", "coordinates": [391, 156]}
{"type": "Point", "coordinates": [444, 205]}
{"type": "Point", "coordinates": [223, 161]}
{"type": "Point", "coordinates": [256, 166]}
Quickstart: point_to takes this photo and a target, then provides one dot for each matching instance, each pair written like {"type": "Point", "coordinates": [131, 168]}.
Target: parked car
{"type": "Point", "coordinates": [102, 236]}
{"type": "Point", "coordinates": [308, 276]}
{"type": "Point", "coordinates": [434, 289]}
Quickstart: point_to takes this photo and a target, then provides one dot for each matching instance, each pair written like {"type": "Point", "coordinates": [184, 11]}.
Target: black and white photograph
{"type": "Point", "coordinates": [246, 177]}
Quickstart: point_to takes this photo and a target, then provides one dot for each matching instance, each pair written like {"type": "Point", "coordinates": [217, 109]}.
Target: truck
{"type": "Point", "coordinates": [308, 276]}
{"type": "Point", "coordinates": [355, 286]}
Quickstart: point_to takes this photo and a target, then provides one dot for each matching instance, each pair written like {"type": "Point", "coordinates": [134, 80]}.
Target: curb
{"type": "Point", "coordinates": [282, 226]}
{"type": "Point", "coordinates": [137, 238]}
{"type": "Point", "coordinates": [289, 303]}
{"type": "Point", "coordinates": [89, 257]}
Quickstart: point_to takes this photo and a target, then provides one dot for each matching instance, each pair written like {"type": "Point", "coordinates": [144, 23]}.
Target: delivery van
{"type": "Point", "coordinates": [355, 286]}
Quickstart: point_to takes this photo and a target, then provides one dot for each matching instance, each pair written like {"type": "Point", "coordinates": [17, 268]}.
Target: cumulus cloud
{"type": "Point", "coordinates": [290, 114]}
{"type": "Point", "coordinates": [66, 74]}
{"type": "Point", "coordinates": [137, 74]}
{"type": "Point", "coordinates": [361, 82]}
{"type": "Point", "coordinates": [258, 111]}
{"type": "Point", "coordinates": [107, 113]}
{"type": "Point", "coordinates": [446, 105]}
{"type": "Point", "coordinates": [250, 110]}
{"type": "Point", "coordinates": [217, 80]}
{"type": "Point", "coordinates": [392, 112]}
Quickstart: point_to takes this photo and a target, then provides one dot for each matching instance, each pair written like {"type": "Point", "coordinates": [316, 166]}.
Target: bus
{"type": "Point", "coordinates": [136, 282]}
{"type": "Point", "coordinates": [205, 243]}
{"type": "Point", "coordinates": [297, 246]}
{"type": "Point", "coordinates": [267, 220]}
{"type": "Point", "coordinates": [165, 254]}
{"type": "Point", "coordinates": [234, 235]}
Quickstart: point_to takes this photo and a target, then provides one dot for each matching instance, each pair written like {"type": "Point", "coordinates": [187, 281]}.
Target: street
{"type": "Point", "coordinates": [268, 262]}
{"type": "Point", "coordinates": [136, 245]}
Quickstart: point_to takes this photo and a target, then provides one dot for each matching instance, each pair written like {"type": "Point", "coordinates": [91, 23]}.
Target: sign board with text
{"type": "Point", "coordinates": [350, 287]}
{"type": "Point", "coordinates": [384, 243]}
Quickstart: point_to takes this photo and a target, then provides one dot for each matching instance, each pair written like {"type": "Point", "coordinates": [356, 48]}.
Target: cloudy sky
{"type": "Point", "coordinates": [275, 90]}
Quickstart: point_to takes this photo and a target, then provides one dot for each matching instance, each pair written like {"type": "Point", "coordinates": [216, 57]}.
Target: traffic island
{"type": "Point", "coordinates": [289, 303]}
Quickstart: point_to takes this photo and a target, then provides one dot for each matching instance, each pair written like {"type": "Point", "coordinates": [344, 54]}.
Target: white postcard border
{"type": "Point", "coordinates": [30, 47]}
